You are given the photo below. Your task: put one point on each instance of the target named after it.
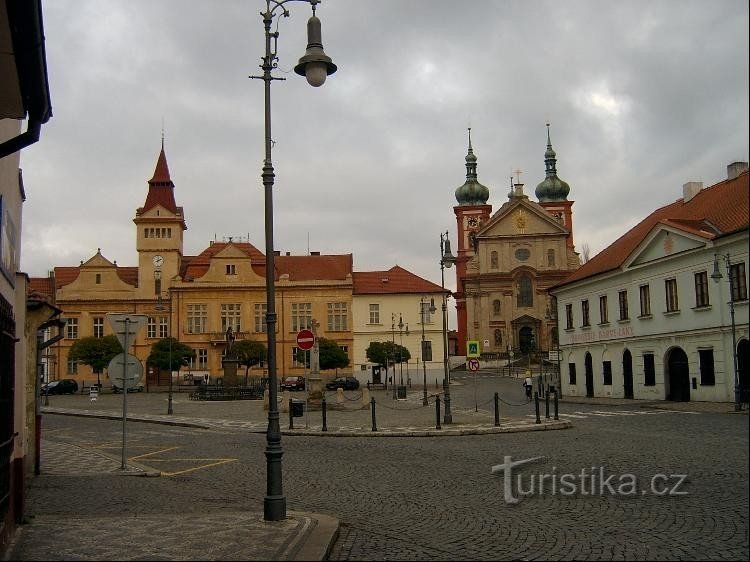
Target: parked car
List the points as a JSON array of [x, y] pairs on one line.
[[293, 383], [137, 388], [62, 386], [347, 383]]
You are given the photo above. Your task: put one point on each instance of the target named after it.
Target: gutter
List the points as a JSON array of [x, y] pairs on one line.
[[27, 32]]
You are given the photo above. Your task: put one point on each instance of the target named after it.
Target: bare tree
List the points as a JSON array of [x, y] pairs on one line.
[[585, 252]]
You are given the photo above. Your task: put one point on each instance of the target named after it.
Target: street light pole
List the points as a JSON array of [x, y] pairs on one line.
[[315, 65], [422, 306], [716, 276], [447, 259]]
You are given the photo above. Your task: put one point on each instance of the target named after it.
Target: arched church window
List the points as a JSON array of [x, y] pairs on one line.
[[493, 260], [496, 307], [525, 295]]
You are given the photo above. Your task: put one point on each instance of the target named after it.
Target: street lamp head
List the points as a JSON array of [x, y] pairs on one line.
[[315, 65], [447, 259], [716, 275]]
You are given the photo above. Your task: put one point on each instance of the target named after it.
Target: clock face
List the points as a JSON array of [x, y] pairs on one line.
[[472, 221], [158, 261]]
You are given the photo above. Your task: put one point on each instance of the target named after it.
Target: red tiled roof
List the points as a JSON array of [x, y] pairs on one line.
[[160, 187], [714, 212], [129, 275], [40, 285], [317, 267], [65, 275], [394, 281], [197, 266]]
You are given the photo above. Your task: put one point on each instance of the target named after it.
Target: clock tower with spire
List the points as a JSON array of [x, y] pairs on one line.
[[159, 226]]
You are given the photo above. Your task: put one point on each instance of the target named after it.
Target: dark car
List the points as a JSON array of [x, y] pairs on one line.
[[137, 388], [293, 383], [347, 383], [62, 386]]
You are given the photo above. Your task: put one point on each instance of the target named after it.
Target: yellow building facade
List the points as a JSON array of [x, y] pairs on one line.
[[195, 299]]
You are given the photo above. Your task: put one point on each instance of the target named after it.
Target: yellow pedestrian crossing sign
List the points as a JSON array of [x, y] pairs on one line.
[[472, 348]]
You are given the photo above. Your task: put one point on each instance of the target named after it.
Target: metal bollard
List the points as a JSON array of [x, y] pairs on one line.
[[546, 404], [536, 404], [323, 406], [556, 406], [372, 409], [437, 411], [291, 415], [497, 409]]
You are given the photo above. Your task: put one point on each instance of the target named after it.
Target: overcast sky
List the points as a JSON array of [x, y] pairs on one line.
[[642, 96]]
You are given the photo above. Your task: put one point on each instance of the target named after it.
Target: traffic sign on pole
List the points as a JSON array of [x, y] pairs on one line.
[[130, 322], [131, 369], [473, 364], [305, 339]]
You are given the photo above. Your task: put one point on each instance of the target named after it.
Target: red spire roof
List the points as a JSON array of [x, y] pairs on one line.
[[160, 187]]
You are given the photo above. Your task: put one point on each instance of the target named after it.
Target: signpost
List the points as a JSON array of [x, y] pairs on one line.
[[473, 364], [125, 326], [472, 348]]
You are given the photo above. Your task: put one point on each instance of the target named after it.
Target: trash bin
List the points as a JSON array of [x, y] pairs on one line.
[[298, 408], [401, 392]]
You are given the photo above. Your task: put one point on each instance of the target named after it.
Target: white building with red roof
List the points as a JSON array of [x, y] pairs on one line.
[[654, 315]]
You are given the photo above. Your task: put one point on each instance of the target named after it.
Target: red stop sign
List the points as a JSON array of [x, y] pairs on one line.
[[305, 339]]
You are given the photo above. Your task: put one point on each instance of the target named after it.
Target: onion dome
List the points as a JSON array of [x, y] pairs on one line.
[[551, 187], [472, 192]]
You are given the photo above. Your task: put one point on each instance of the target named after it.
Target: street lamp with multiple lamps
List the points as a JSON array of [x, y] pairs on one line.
[[447, 259], [424, 308], [160, 307], [315, 66], [717, 276], [401, 347]]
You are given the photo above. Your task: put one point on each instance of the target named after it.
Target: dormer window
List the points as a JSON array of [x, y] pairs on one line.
[[231, 269]]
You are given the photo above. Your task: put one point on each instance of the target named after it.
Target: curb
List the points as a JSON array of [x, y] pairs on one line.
[[315, 544]]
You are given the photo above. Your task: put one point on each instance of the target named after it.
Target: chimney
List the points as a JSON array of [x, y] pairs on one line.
[[314, 253], [277, 252], [690, 190], [288, 253], [735, 169]]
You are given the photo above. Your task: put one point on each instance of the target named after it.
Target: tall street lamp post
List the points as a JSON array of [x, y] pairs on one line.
[[551, 314], [160, 307], [393, 352], [447, 259], [716, 276], [424, 308], [315, 66], [401, 347]]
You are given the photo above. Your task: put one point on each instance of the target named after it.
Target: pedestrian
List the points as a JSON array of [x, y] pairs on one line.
[[528, 385]]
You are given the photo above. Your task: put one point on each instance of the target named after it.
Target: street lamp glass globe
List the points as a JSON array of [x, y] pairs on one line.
[[316, 73]]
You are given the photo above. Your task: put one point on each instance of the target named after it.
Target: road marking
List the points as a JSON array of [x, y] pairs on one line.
[[151, 459]]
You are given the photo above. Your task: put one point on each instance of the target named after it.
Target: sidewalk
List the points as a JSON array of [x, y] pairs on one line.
[[693, 406], [223, 534]]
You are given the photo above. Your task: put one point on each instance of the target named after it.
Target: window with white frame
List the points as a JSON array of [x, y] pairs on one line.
[[603, 313], [72, 367], [586, 321], [98, 327], [163, 327], [230, 317], [374, 314], [197, 318], [71, 328], [301, 315], [338, 316], [259, 317], [622, 298], [151, 327]]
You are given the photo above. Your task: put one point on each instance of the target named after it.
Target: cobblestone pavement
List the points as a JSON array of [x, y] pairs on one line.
[[431, 498]]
